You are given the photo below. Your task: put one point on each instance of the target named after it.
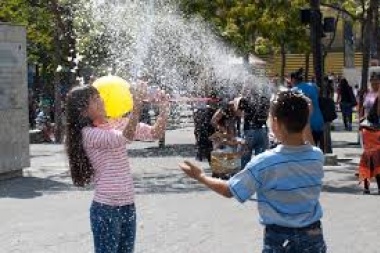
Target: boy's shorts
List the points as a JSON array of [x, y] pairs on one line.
[[308, 239]]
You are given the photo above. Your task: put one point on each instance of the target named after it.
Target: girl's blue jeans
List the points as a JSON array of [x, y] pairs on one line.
[[113, 228]]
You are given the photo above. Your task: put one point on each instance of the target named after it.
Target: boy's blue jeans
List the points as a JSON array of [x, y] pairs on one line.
[[113, 228], [293, 240]]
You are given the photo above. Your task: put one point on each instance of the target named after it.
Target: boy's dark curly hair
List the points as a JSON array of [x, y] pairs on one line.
[[291, 109]]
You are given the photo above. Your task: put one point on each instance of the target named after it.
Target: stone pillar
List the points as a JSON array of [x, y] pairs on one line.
[[14, 127]]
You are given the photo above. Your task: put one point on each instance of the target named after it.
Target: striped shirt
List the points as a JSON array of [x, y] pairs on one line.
[[287, 181], [106, 149]]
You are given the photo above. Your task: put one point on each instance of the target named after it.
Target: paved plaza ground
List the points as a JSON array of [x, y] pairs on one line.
[[43, 213]]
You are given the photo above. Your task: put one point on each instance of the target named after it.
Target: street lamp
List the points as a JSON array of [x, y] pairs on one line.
[[318, 27]]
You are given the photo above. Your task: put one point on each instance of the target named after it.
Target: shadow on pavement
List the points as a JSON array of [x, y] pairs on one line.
[[353, 188], [345, 144], [345, 181], [184, 150], [32, 187], [166, 184]]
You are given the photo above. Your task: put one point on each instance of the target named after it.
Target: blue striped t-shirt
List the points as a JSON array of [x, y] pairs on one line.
[[287, 181]]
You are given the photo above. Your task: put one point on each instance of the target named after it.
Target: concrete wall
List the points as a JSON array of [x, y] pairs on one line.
[[14, 126]]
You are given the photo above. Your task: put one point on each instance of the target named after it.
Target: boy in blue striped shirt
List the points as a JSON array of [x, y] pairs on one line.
[[287, 180]]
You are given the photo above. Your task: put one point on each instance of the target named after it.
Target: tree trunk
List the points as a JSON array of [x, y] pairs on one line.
[[58, 127], [37, 77], [44, 76], [349, 44], [246, 60], [283, 62], [377, 32], [368, 22], [316, 37], [307, 65], [60, 29]]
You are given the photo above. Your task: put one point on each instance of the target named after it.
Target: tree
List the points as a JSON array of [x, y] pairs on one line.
[[39, 32], [92, 39], [50, 42], [363, 12], [254, 26], [368, 24], [280, 23], [234, 20]]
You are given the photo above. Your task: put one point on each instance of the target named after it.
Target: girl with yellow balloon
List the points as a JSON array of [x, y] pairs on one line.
[[96, 148]]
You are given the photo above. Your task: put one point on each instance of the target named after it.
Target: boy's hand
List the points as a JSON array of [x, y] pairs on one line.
[[191, 170]]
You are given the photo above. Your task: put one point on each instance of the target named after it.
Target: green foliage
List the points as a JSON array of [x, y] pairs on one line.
[[91, 37], [39, 25], [356, 9], [281, 25], [253, 25]]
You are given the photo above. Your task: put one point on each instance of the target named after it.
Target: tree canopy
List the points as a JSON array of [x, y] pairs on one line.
[[39, 25], [254, 26]]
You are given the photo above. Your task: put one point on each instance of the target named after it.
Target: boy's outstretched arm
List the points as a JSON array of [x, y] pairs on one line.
[[217, 185]]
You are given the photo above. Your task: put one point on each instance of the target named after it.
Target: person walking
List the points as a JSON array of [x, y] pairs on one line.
[[255, 110], [369, 165], [347, 100], [316, 120]]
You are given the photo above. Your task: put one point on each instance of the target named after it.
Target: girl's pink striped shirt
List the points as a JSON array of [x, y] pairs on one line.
[[105, 146]]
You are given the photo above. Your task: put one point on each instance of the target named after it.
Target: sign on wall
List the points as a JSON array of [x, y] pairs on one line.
[[12, 60]]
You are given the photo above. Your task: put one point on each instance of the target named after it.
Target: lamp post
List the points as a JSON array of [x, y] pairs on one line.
[[318, 26], [316, 41]]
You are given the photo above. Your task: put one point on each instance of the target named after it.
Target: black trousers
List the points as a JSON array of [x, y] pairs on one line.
[[319, 139]]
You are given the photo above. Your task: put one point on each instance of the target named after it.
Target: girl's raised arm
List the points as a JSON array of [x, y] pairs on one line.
[[159, 127], [138, 97]]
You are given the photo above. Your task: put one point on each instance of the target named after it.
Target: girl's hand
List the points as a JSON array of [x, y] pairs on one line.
[[163, 97], [191, 170], [140, 92], [164, 101]]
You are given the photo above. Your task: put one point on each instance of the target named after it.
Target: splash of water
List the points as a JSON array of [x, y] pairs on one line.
[[152, 39]]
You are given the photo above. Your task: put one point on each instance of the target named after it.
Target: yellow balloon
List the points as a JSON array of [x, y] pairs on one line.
[[116, 94]]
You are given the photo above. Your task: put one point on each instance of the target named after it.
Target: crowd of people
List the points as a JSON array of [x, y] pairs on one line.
[[278, 138], [41, 116], [96, 148]]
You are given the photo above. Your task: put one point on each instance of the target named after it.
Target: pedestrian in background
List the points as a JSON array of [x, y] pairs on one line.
[[312, 92], [254, 108], [347, 101]]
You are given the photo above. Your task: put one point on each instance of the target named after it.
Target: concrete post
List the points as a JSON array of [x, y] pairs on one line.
[[14, 126]]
